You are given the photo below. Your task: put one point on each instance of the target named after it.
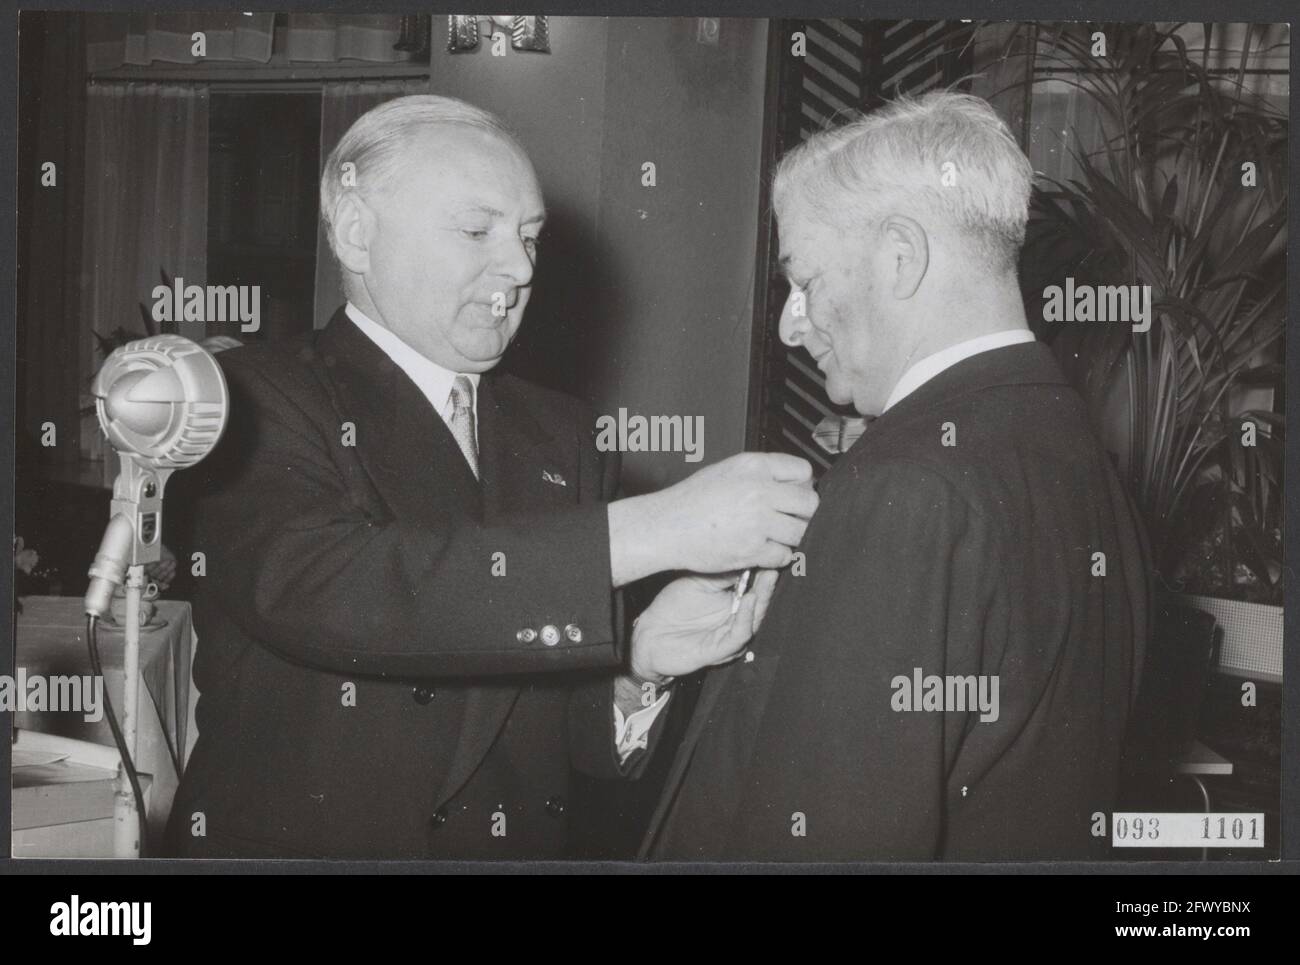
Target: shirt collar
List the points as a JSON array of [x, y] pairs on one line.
[[430, 377], [930, 366]]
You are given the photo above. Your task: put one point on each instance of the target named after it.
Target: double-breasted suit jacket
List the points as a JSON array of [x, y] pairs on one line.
[[395, 659]]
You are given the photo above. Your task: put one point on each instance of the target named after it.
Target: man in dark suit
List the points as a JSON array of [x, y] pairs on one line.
[[408, 627], [948, 671]]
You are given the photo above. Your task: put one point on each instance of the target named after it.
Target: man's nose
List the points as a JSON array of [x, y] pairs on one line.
[[515, 263], [794, 319]]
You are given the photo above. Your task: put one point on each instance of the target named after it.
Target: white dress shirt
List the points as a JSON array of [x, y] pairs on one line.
[[435, 382], [930, 366], [430, 377]]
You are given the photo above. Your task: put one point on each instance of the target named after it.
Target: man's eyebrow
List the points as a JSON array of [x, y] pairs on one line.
[[486, 209], [492, 212]]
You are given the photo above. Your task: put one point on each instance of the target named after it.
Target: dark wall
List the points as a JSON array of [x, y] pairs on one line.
[[644, 295], [555, 104], [51, 127], [680, 257]]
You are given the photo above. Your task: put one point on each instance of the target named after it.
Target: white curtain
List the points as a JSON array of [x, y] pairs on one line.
[[140, 39], [341, 104], [328, 38], [146, 209]]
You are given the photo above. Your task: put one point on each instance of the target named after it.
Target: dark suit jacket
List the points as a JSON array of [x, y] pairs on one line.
[[365, 688], [973, 559]]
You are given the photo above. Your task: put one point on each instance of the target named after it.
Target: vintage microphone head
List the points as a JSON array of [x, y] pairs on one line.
[[162, 403], [162, 400]]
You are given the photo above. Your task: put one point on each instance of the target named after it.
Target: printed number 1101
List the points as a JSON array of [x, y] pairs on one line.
[[1135, 829]]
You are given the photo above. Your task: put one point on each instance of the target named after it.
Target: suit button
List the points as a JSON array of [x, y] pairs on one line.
[[550, 635], [574, 633], [439, 818], [555, 806], [526, 635], [422, 695]]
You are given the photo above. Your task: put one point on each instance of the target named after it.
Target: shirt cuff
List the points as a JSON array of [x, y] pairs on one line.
[[633, 733]]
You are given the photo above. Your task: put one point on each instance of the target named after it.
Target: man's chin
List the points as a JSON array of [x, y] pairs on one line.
[[862, 405], [836, 393], [484, 350]]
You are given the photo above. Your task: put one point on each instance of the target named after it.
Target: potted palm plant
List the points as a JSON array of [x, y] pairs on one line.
[[1183, 191]]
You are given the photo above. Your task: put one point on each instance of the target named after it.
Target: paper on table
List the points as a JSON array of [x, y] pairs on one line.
[[22, 757]]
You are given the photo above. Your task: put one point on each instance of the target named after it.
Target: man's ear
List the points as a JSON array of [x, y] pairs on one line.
[[353, 229], [910, 249]]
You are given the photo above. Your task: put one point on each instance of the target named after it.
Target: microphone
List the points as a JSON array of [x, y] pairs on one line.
[[163, 403]]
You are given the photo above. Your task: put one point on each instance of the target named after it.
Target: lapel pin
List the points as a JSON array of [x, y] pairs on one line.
[[554, 478]]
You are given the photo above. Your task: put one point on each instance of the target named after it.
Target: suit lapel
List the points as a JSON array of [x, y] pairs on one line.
[[406, 449], [514, 450]]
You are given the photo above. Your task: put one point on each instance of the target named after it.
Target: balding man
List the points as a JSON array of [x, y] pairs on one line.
[[952, 675], [410, 556]]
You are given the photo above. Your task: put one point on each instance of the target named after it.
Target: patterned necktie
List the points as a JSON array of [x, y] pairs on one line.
[[462, 420], [837, 433]]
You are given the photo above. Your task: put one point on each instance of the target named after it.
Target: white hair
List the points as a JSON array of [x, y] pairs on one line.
[[947, 153], [376, 143]]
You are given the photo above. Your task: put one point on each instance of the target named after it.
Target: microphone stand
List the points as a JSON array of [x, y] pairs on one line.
[[131, 540], [126, 820]]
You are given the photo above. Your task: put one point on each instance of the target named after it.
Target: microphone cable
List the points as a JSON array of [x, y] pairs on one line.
[[92, 643]]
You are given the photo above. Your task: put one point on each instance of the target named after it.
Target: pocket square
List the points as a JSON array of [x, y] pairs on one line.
[[554, 477]]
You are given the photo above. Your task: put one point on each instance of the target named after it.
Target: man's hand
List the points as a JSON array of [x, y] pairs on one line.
[[690, 625], [163, 571], [748, 510]]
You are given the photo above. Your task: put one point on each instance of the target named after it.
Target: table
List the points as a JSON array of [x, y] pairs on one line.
[[1197, 762], [51, 640]]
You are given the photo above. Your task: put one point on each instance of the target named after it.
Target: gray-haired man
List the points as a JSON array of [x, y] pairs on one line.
[[952, 674]]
